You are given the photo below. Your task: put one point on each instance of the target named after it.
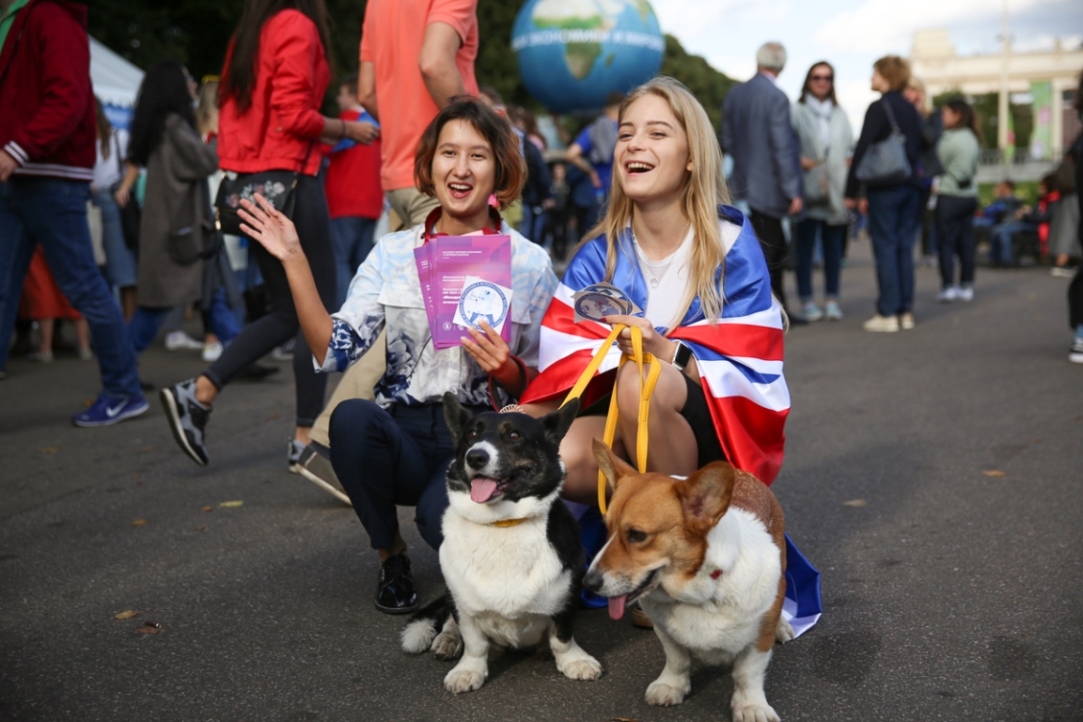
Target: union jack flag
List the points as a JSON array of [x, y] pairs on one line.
[[739, 356]]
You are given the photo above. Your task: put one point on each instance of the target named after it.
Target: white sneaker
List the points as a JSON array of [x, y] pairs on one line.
[[832, 312], [180, 341], [906, 321], [966, 293], [882, 324], [811, 312], [1075, 353], [948, 295], [211, 351]]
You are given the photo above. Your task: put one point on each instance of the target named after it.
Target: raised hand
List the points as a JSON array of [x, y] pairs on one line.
[[274, 231]]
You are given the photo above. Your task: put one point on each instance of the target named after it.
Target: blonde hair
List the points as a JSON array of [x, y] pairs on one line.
[[704, 190]]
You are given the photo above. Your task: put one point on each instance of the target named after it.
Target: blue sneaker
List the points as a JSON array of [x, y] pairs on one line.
[[109, 410]]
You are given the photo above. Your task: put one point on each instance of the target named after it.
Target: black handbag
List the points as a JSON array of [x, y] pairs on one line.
[[277, 186], [885, 162]]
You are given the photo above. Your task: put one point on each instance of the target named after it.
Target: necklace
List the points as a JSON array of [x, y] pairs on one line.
[[655, 271]]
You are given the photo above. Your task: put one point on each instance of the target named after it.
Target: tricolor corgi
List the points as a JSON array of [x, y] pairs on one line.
[[511, 555]]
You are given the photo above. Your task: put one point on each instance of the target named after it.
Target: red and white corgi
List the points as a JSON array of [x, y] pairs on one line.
[[705, 557]]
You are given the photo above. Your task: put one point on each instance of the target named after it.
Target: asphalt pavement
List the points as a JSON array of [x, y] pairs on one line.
[[932, 475]]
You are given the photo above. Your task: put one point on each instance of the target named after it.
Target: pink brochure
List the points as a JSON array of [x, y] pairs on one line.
[[423, 259], [451, 259]]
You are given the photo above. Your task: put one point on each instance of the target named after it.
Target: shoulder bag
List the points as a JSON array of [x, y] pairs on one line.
[[277, 186], [885, 162]]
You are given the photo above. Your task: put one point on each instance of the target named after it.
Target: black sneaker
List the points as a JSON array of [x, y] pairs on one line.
[[187, 419], [395, 589]]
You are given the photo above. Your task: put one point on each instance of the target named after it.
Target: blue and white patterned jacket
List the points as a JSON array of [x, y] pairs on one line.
[[387, 292]]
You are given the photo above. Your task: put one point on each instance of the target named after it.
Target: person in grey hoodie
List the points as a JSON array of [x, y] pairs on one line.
[[957, 199]]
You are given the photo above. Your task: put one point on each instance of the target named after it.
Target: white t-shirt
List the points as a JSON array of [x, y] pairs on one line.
[[667, 279], [108, 171]]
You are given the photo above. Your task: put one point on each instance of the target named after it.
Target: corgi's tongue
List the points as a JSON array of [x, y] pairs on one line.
[[616, 606], [482, 489]]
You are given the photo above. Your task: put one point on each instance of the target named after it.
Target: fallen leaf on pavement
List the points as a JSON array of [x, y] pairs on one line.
[[201, 527], [207, 508], [855, 503], [995, 473], [149, 628], [126, 614], [139, 522], [146, 448], [231, 504], [50, 449]]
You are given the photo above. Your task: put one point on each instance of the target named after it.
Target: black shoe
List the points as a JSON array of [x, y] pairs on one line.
[[797, 319], [395, 589]]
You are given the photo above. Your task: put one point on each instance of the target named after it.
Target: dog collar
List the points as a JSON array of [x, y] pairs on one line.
[[505, 523]]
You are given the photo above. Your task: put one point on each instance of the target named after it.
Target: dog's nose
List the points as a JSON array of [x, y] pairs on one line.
[[477, 458], [592, 580]]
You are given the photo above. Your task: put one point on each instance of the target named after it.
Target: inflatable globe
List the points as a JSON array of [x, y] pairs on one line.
[[573, 53]]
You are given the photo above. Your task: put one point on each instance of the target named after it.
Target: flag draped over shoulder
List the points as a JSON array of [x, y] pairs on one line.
[[739, 356]]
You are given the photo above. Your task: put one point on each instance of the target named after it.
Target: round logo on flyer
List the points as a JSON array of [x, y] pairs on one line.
[[596, 306], [483, 301]]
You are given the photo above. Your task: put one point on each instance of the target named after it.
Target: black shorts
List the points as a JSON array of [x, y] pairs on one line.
[[695, 412]]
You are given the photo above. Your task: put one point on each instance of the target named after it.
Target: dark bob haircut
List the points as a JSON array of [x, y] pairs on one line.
[[495, 129]]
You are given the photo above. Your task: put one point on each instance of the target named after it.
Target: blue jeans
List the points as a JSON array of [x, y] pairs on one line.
[[893, 219], [1000, 246], [353, 238], [805, 240], [52, 213], [120, 262]]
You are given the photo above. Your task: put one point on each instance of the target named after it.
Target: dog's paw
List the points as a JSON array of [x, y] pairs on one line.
[[755, 713], [463, 679], [661, 694], [448, 644], [784, 632], [584, 667], [417, 636]]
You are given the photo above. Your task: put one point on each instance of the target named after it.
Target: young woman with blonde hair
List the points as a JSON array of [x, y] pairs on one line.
[[694, 266]]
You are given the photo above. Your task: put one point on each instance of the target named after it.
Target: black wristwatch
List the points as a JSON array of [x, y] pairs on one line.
[[681, 356]]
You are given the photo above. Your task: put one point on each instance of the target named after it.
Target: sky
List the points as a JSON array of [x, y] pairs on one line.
[[852, 34]]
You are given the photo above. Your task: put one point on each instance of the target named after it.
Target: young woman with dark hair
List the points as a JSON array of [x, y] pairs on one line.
[[959, 150], [273, 84], [395, 451], [176, 210]]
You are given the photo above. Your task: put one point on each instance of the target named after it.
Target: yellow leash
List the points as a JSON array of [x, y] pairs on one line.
[[646, 389]]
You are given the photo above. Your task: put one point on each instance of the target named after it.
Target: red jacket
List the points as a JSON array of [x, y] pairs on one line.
[[47, 121], [284, 121], [352, 183]]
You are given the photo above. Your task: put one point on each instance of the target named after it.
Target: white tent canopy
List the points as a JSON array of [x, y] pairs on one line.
[[116, 81]]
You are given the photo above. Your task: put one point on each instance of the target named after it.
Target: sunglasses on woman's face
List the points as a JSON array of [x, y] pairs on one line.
[[825, 78]]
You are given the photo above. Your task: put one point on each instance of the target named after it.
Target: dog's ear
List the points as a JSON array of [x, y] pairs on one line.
[[556, 424], [705, 496], [457, 417], [612, 466]]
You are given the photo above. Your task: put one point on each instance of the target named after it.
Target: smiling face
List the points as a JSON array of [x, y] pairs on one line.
[[651, 159], [463, 176]]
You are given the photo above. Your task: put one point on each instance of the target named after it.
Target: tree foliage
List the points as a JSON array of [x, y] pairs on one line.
[[707, 84]]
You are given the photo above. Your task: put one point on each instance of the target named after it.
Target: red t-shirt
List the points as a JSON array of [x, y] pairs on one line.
[[353, 178]]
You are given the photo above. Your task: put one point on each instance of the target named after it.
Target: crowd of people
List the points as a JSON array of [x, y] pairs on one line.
[[638, 200]]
